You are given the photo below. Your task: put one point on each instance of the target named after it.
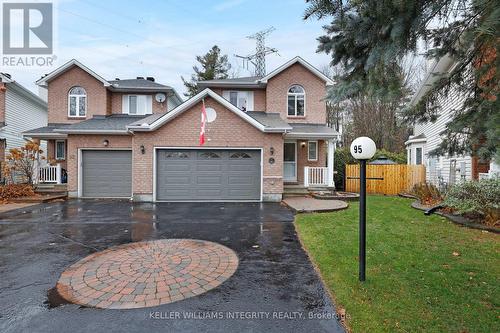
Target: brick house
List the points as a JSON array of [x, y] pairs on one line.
[[262, 133]]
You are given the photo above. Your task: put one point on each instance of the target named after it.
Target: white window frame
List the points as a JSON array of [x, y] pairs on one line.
[[288, 94], [59, 158], [77, 115], [315, 142], [142, 110], [248, 94], [422, 161]]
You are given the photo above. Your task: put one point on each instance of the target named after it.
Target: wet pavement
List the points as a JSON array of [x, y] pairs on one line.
[[275, 288]]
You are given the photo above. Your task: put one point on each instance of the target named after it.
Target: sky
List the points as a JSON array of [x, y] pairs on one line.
[[161, 38]]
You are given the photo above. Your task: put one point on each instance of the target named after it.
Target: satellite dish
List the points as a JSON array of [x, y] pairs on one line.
[[211, 114], [160, 97]]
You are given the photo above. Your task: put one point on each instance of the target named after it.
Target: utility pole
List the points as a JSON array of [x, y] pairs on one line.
[[258, 59]]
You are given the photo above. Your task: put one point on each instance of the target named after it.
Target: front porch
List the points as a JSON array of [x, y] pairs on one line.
[[308, 164]]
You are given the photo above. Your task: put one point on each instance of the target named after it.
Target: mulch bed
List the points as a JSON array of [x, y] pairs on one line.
[[458, 219]]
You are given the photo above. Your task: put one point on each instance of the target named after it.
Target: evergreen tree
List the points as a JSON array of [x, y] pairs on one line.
[[213, 66], [369, 37]]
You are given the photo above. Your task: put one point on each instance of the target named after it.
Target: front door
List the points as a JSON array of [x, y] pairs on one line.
[[290, 162]]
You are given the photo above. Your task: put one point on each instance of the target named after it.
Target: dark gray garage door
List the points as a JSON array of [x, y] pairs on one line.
[[106, 173], [204, 175]]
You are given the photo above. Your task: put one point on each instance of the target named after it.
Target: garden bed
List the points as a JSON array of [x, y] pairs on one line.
[[458, 219]]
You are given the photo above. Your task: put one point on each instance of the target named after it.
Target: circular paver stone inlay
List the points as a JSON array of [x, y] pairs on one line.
[[147, 274]]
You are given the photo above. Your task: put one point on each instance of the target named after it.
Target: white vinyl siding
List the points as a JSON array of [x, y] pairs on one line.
[[21, 114], [137, 104], [240, 98], [439, 167]]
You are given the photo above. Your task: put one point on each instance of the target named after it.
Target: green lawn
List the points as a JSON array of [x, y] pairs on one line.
[[416, 282]]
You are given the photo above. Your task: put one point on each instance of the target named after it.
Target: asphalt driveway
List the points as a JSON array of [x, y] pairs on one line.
[[275, 288]]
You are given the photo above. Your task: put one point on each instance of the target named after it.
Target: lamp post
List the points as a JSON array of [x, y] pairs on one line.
[[362, 149]]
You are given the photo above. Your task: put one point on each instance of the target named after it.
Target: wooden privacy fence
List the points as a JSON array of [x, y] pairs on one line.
[[385, 179]]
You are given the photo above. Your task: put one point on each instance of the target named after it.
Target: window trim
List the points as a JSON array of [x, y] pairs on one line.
[[308, 151], [77, 115], [148, 105], [58, 158], [249, 96], [288, 94]]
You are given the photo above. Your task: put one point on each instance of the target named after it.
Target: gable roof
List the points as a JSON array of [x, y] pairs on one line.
[[294, 61], [437, 70], [20, 89], [73, 62], [154, 122], [257, 81]]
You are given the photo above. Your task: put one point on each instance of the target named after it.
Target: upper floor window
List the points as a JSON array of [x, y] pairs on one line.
[[77, 105], [296, 101], [137, 104], [241, 99]]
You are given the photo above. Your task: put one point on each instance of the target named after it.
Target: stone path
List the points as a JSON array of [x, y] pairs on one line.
[[147, 274], [310, 205]]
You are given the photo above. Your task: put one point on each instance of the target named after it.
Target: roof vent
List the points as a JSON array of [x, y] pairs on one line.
[[140, 78], [150, 78]]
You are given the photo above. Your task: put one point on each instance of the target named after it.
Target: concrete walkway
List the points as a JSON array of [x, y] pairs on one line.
[[311, 205], [14, 205]]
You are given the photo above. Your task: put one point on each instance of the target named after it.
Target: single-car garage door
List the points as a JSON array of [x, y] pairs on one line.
[[204, 175], [106, 173]]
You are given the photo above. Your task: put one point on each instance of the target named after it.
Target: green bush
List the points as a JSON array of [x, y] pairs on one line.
[[477, 197], [399, 158], [342, 157]]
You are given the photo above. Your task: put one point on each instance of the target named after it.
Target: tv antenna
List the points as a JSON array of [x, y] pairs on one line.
[[258, 59]]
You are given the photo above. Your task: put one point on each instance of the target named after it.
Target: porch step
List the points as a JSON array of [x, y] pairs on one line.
[[301, 191], [52, 189]]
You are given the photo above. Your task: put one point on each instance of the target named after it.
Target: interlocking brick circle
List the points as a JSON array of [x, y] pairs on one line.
[[147, 274]]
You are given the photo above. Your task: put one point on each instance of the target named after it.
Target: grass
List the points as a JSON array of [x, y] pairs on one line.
[[424, 273]]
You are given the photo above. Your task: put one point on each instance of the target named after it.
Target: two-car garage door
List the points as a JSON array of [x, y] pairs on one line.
[[208, 175]]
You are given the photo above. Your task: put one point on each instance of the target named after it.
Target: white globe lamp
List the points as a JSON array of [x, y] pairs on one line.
[[363, 148]]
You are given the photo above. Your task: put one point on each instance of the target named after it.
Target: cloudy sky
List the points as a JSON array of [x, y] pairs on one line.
[[161, 38]]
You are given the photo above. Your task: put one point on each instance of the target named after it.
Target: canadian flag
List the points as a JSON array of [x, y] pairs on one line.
[[203, 123]]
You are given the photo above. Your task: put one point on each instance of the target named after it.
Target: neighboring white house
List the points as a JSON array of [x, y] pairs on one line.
[[20, 111], [442, 170]]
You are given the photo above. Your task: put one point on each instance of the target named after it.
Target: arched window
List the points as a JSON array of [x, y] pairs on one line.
[[296, 101], [77, 102]]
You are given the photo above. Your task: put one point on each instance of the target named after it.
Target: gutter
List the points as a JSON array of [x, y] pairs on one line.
[[82, 131]]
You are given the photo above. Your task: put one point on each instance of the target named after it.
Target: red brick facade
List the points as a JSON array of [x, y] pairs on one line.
[[59, 87], [228, 130], [315, 90]]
